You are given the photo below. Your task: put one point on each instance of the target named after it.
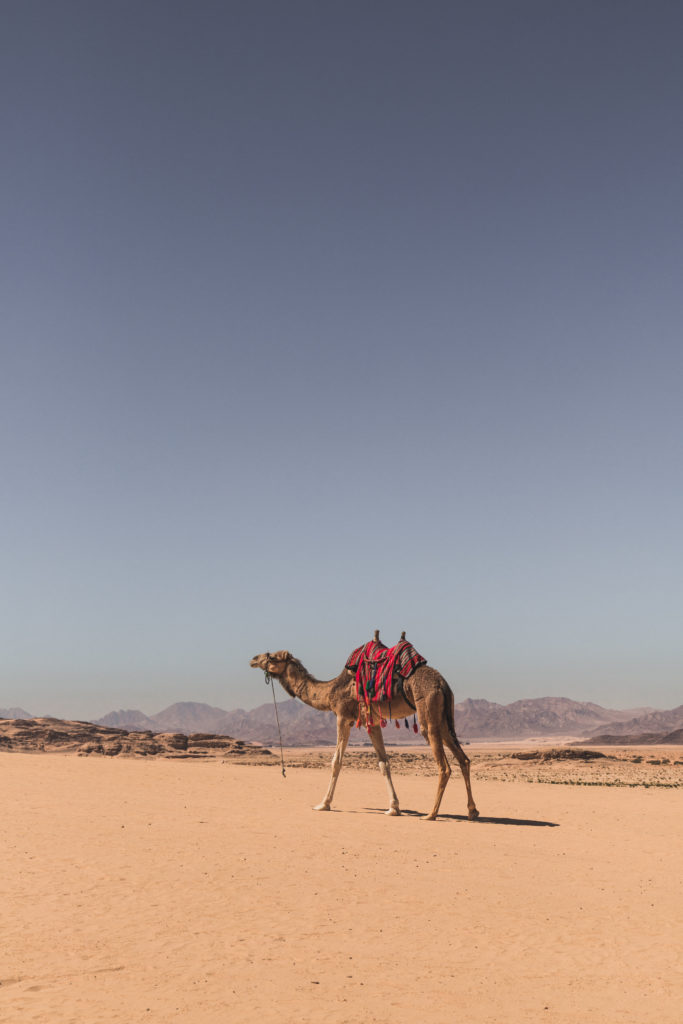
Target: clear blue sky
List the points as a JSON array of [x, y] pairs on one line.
[[322, 317]]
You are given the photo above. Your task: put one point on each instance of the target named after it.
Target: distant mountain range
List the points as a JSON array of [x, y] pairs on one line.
[[474, 720], [650, 721], [542, 716], [187, 717], [301, 726]]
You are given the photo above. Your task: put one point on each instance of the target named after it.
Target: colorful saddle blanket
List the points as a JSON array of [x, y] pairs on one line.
[[380, 671]]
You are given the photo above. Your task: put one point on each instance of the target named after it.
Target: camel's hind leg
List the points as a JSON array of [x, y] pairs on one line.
[[436, 743], [383, 759], [343, 733], [451, 741]]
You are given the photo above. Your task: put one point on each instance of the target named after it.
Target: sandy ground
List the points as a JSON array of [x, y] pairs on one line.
[[161, 891], [620, 766]]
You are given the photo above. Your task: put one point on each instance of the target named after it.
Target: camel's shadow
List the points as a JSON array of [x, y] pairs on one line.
[[482, 820]]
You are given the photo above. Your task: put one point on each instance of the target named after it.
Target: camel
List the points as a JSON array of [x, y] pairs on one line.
[[427, 693]]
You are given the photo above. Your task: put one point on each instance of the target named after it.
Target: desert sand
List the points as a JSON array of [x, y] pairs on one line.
[[165, 890]]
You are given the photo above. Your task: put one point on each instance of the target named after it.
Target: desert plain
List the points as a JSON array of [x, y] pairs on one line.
[[160, 890]]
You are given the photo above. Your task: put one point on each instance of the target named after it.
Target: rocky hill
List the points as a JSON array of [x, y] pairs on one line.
[[651, 722], [53, 734], [190, 716], [541, 716], [129, 719]]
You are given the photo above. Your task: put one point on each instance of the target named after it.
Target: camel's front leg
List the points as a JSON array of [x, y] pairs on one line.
[[382, 757], [343, 733]]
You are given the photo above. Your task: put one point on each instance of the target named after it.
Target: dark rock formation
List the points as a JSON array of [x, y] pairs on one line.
[[85, 738]]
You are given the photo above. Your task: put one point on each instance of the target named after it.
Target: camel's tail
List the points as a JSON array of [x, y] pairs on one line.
[[450, 711]]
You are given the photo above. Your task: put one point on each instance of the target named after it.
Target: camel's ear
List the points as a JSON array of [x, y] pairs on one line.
[[281, 656]]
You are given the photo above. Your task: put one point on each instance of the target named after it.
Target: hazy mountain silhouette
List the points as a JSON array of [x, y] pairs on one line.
[[650, 722], [474, 719], [540, 716], [129, 719], [189, 716]]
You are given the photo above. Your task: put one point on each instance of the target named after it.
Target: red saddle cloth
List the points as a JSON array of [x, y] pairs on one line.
[[380, 670]]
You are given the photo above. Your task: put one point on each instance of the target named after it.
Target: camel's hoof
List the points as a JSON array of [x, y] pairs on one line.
[[393, 812], [473, 814], [321, 807], [429, 817]]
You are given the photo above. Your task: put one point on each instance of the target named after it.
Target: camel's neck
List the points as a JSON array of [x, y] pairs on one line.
[[314, 692]]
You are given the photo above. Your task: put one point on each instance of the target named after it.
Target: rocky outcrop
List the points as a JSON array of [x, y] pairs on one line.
[[641, 739], [654, 722], [557, 754], [35, 735]]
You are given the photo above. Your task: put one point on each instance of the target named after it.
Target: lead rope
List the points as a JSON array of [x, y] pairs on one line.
[[269, 682]]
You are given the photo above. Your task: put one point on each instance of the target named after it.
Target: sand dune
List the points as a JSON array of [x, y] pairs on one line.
[[206, 892]]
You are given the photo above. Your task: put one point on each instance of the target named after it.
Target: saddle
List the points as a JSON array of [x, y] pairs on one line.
[[381, 671]]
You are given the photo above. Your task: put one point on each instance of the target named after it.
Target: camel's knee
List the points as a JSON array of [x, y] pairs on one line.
[[453, 744], [462, 756]]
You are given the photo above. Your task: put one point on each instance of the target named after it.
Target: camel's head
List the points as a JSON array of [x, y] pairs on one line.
[[273, 664]]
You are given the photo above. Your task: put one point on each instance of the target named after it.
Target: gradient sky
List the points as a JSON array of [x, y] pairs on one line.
[[322, 317]]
